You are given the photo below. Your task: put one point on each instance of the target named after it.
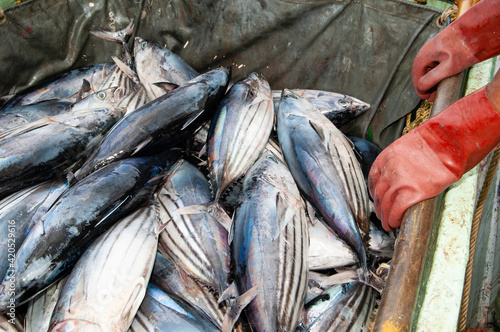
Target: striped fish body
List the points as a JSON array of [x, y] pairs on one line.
[[337, 107], [67, 86], [239, 130], [157, 64], [161, 123], [107, 285], [325, 169], [55, 143], [163, 312], [18, 214], [40, 308], [134, 100], [175, 281], [80, 215], [197, 242], [270, 246], [345, 307], [20, 115]]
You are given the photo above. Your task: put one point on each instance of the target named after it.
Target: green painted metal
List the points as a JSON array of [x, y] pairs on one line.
[[7, 3]]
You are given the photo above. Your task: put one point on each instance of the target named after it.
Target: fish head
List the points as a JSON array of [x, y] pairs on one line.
[[291, 104], [259, 83], [155, 63], [106, 98]]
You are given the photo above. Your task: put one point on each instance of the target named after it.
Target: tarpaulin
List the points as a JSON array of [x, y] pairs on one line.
[[363, 48]]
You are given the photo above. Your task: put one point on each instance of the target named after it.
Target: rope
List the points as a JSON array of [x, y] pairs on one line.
[[3, 18], [423, 113], [473, 237], [447, 16]]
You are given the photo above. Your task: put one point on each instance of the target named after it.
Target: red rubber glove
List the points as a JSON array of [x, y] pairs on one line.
[[472, 38], [428, 159]]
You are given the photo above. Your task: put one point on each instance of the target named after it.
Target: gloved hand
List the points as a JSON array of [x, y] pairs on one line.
[[472, 38], [431, 157]]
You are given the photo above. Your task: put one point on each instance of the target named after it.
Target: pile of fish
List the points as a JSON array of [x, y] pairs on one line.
[[140, 195]]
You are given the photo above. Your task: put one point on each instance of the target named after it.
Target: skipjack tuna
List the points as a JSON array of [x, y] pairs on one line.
[[325, 168], [124, 222], [270, 246], [239, 131]]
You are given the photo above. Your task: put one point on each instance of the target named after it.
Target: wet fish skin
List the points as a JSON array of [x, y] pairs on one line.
[[239, 131], [161, 123], [345, 307], [19, 115], [366, 152], [325, 169], [270, 245], [65, 86], [326, 250], [40, 308], [337, 107], [157, 64], [175, 281], [22, 114], [55, 143], [163, 312], [108, 283], [59, 238], [20, 211], [197, 242]]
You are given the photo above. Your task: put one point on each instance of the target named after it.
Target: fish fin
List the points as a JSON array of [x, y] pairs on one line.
[[281, 210], [6, 98], [71, 178], [192, 209], [126, 69], [191, 119], [119, 36], [141, 145], [320, 131], [211, 208], [183, 274], [222, 217], [228, 293], [86, 87], [374, 281], [311, 212], [162, 226], [340, 278], [166, 86], [203, 150], [236, 306], [26, 128]]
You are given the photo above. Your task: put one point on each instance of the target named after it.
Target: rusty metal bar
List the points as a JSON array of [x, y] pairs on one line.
[[398, 305]]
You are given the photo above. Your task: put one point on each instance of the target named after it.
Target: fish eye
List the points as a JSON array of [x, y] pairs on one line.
[[343, 103], [144, 44], [101, 95]]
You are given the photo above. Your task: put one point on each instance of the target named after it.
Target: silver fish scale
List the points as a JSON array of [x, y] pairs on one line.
[[241, 130], [325, 169], [174, 280], [270, 246], [198, 242], [346, 307], [108, 284]]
